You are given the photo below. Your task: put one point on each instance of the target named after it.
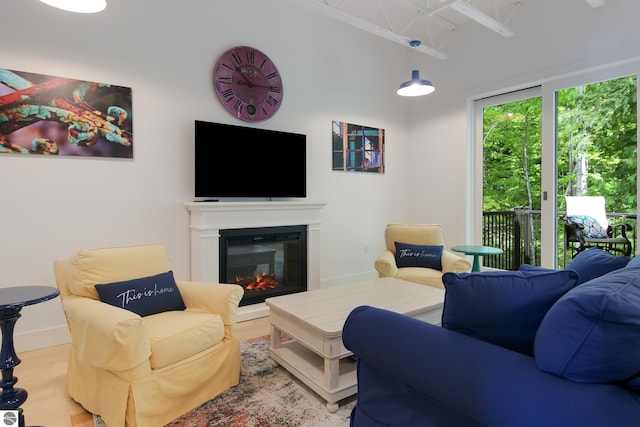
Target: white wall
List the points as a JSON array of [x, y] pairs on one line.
[[55, 206], [551, 38]]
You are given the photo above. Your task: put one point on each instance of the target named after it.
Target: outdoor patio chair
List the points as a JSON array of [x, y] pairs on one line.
[[586, 226]]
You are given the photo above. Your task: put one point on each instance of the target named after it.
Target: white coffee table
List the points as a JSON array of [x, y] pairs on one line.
[[314, 320]]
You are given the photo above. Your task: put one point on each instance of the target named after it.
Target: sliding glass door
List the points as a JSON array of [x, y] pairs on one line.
[[510, 130], [575, 136], [593, 129]]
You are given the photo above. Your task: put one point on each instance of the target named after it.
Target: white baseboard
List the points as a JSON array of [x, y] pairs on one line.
[[351, 278], [34, 340]]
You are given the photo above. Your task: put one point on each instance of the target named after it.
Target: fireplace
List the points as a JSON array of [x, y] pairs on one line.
[[208, 219], [265, 261]]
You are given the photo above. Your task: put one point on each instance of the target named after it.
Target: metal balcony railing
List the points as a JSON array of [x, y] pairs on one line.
[[517, 233]]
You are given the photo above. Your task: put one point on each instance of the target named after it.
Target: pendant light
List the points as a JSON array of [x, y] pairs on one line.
[[80, 6], [415, 86]]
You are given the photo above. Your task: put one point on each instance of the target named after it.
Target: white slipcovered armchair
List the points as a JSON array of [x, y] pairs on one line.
[[418, 234]]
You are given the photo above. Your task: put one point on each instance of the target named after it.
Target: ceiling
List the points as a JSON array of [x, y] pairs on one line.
[[432, 22]]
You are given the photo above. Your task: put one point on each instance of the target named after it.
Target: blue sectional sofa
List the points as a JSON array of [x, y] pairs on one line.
[[530, 348]]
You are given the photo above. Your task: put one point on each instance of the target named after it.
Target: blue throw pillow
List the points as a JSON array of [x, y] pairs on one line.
[[144, 296], [408, 255], [589, 264], [591, 226], [634, 263], [530, 268], [632, 384], [503, 307], [591, 333], [595, 262]]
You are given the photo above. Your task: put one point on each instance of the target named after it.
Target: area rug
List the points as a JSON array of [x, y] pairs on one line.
[[267, 396]]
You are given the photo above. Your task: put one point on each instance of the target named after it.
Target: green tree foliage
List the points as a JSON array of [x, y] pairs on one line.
[[596, 128], [512, 150], [596, 152]]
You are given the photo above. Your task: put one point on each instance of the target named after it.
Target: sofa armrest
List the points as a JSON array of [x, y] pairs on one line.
[[106, 336], [385, 265], [217, 298], [425, 366], [452, 263]]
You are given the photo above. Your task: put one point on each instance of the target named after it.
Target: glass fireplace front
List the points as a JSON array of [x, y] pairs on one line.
[[266, 261]]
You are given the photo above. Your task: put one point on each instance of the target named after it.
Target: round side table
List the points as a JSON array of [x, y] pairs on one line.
[[477, 251], [12, 300]]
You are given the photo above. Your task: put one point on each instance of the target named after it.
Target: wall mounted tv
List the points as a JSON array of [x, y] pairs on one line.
[[239, 161]]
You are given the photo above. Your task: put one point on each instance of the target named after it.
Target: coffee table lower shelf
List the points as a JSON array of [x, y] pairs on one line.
[[306, 329], [309, 367]]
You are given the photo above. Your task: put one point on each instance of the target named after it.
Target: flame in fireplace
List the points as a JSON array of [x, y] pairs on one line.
[[259, 282]]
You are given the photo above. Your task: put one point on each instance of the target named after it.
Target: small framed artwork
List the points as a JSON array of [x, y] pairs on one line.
[[357, 148], [42, 114]]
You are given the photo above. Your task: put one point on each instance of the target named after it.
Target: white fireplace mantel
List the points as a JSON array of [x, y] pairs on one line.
[[208, 218]]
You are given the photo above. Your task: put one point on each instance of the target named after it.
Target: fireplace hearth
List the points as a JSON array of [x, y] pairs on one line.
[[265, 261]]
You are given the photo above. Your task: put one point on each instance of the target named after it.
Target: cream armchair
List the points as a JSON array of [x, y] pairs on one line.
[[137, 370], [418, 234]]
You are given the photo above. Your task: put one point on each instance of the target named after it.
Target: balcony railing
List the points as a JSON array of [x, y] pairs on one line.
[[517, 233]]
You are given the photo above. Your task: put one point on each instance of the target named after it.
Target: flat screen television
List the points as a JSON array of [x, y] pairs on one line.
[[240, 161]]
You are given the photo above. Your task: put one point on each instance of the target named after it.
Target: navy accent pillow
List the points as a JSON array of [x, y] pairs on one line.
[[144, 296], [529, 268], [591, 226], [591, 333], [503, 307], [589, 264], [595, 262], [408, 255]]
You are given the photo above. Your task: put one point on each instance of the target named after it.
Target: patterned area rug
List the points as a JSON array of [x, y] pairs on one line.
[[267, 396]]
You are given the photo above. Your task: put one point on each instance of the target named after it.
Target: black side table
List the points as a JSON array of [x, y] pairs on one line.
[[11, 302]]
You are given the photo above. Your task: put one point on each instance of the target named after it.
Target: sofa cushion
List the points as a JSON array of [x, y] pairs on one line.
[[426, 256], [589, 264], [595, 262], [145, 295], [532, 268], [116, 264], [590, 226], [175, 336], [632, 384], [502, 307], [591, 333]]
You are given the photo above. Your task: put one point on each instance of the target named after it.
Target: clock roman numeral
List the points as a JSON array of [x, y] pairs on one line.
[[271, 101], [228, 66], [227, 94], [275, 89], [264, 61], [250, 56], [236, 57], [226, 80], [238, 106], [272, 75]]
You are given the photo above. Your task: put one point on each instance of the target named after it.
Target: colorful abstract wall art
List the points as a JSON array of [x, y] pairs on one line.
[[357, 148], [42, 114]]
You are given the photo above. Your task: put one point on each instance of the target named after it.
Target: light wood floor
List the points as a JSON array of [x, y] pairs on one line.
[[42, 373]]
